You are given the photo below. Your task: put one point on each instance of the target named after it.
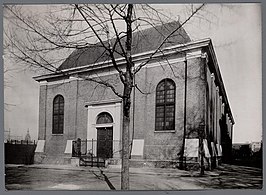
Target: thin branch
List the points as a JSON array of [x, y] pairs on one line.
[[103, 83], [40, 34], [117, 36], [27, 58], [163, 42], [103, 44], [145, 93]]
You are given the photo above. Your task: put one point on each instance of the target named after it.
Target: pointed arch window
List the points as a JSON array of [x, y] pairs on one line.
[[58, 115], [165, 105]]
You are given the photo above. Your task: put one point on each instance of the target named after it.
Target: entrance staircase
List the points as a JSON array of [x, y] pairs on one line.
[[91, 161], [94, 153]]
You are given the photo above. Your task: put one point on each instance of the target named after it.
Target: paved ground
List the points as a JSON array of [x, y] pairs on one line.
[[54, 177]]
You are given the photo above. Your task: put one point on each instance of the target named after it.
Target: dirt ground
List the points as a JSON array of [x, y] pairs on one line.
[[60, 177]]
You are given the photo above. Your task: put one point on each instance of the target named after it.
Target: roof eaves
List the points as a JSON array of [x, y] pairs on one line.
[[219, 77]]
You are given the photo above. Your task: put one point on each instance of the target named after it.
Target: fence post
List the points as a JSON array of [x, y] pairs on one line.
[[86, 149], [79, 147]]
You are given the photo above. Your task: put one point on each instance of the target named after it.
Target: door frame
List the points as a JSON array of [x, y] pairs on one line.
[[94, 109]]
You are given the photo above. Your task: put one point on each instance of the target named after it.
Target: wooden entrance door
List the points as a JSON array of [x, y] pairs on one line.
[[105, 142]]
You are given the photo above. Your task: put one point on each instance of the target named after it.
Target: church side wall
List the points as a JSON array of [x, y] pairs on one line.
[[218, 123], [166, 145]]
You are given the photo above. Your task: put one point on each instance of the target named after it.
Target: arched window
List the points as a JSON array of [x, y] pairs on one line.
[[104, 118], [58, 115], [165, 105]]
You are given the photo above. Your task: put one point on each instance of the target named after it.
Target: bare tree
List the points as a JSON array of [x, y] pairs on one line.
[[109, 28]]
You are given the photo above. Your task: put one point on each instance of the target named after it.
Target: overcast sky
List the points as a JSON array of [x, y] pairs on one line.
[[236, 35]]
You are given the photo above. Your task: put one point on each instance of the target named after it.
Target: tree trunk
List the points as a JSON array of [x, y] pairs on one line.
[[125, 140], [125, 155], [128, 84]]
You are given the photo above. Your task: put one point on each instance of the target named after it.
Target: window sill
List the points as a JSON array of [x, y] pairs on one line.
[[57, 134], [165, 131]]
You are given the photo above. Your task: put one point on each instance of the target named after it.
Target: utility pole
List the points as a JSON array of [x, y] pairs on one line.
[[185, 120]]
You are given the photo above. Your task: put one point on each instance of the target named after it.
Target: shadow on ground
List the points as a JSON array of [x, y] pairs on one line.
[[86, 178]]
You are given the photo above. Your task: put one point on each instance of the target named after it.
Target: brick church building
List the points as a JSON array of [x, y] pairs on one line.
[[182, 100]]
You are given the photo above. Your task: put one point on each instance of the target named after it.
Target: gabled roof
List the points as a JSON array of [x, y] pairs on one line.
[[192, 45], [143, 41]]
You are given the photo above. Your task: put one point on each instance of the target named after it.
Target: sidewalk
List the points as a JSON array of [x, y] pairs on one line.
[[67, 177], [117, 169]]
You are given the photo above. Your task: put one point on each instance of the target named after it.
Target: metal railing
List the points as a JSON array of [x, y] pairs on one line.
[[22, 142], [94, 148]]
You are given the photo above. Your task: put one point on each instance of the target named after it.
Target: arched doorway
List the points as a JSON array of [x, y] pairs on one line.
[[104, 126]]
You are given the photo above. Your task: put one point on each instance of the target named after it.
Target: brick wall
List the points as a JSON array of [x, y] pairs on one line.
[[157, 145]]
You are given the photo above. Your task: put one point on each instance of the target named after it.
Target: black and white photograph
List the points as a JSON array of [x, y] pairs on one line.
[[132, 96]]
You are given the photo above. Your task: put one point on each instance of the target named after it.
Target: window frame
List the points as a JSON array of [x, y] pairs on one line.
[[60, 115], [105, 115], [159, 128]]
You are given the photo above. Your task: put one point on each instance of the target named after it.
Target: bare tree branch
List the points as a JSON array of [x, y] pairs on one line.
[[105, 83], [83, 28], [151, 56]]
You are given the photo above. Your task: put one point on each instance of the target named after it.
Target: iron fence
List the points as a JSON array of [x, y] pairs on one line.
[[23, 142], [96, 148]]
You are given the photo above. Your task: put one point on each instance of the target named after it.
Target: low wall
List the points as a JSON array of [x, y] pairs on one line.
[[19, 153]]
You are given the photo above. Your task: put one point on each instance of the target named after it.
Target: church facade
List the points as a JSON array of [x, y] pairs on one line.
[[180, 102]]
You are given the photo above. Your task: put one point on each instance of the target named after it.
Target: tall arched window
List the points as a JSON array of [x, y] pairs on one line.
[[58, 115], [165, 105]]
